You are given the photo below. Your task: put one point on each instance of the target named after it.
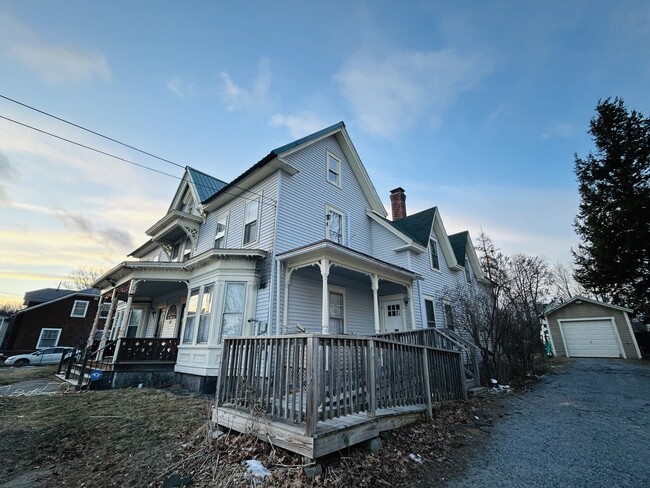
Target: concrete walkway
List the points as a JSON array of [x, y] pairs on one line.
[[587, 427]]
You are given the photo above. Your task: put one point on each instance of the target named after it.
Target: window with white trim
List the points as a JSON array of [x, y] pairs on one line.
[[333, 170], [206, 313], [181, 250], [334, 225], [468, 270], [336, 310], [103, 312], [220, 234], [79, 308], [251, 221], [48, 338], [232, 320], [431, 312], [433, 254], [190, 319]]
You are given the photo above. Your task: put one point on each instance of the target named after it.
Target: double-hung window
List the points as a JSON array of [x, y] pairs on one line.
[[333, 170], [48, 338], [220, 235], [433, 254], [431, 313], [449, 315], [251, 221], [206, 313], [233, 309], [79, 308], [336, 312], [190, 320], [334, 225]]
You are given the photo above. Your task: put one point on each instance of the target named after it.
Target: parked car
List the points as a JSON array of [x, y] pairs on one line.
[[49, 355]]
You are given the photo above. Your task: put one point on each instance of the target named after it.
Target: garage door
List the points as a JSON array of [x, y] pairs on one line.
[[591, 339]]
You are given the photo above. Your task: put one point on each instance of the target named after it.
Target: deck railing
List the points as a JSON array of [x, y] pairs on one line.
[[308, 378], [150, 349]]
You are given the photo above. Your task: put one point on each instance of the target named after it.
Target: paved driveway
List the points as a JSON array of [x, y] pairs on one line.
[[587, 427]]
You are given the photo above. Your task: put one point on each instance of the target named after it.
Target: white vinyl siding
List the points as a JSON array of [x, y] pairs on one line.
[[79, 308], [48, 338]]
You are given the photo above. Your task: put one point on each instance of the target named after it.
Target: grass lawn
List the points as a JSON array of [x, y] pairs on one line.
[[9, 374]]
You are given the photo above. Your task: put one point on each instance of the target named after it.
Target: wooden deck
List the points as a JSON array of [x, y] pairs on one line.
[[330, 435], [314, 394]]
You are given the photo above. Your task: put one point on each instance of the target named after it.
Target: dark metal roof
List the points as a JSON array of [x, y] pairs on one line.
[[205, 185], [417, 226]]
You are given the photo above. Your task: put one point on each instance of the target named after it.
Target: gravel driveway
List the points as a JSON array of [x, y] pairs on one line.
[[586, 427]]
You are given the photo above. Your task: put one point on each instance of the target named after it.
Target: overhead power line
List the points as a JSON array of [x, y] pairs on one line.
[[263, 200]]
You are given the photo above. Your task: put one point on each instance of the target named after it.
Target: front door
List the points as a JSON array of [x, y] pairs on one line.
[[392, 312]]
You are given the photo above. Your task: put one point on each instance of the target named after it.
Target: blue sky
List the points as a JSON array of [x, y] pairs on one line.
[[477, 107]]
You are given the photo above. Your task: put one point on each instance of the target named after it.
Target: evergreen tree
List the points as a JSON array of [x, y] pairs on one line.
[[613, 260]]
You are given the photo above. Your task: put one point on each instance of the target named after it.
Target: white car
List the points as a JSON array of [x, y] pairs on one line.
[[49, 355]]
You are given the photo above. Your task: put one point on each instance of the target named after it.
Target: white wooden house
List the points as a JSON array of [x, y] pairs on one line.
[[298, 243]]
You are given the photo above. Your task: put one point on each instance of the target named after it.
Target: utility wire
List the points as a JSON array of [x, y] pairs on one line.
[[70, 141], [90, 131]]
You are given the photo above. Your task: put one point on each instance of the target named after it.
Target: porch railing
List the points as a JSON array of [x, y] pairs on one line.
[[146, 349], [308, 378]]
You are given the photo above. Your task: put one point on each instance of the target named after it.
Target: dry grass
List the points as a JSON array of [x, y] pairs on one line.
[[140, 437], [10, 375]]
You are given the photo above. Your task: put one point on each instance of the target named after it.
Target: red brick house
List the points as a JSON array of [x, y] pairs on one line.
[[52, 317]]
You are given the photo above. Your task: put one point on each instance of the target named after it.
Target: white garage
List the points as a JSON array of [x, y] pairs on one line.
[[585, 328], [591, 338]]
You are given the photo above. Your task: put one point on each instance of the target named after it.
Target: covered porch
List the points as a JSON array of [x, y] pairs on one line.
[[331, 289]]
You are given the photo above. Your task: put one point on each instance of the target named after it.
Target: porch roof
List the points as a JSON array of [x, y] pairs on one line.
[[165, 270], [344, 256]]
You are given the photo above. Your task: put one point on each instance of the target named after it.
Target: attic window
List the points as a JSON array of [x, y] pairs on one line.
[[333, 170], [468, 272], [433, 254]]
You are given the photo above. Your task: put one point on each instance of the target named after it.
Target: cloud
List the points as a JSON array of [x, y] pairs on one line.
[[299, 125], [392, 92], [238, 97], [180, 87], [7, 173], [559, 130], [55, 62]]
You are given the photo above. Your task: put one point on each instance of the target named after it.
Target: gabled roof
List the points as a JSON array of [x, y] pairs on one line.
[[555, 308], [417, 226], [205, 185], [459, 245], [274, 160], [87, 293], [46, 294]]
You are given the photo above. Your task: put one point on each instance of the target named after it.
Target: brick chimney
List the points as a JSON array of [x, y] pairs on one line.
[[398, 203]]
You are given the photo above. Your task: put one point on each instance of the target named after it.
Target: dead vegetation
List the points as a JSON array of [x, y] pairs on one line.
[[10, 375]]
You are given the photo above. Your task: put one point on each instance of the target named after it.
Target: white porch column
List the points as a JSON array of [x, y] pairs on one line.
[[127, 310], [409, 291], [93, 330], [325, 316], [374, 280], [107, 324], [285, 308]]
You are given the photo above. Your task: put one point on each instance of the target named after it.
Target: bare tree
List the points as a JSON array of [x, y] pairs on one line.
[[82, 278], [9, 307], [503, 317], [564, 285]]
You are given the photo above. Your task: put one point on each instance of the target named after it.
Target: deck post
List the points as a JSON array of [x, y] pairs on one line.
[[372, 380], [427, 381], [461, 371], [311, 417], [223, 369]]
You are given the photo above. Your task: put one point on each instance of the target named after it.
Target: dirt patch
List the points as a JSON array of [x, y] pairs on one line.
[[147, 437]]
